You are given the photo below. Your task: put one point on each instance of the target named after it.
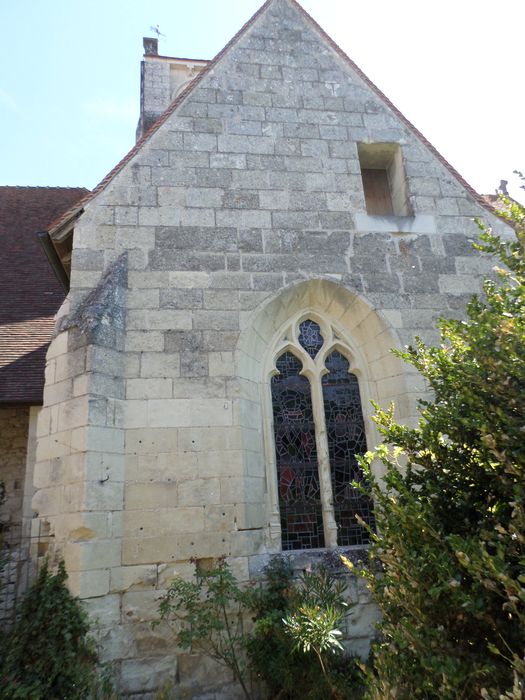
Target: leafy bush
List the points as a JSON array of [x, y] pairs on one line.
[[295, 646], [293, 656], [451, 520], [48, 653], [208, 613]]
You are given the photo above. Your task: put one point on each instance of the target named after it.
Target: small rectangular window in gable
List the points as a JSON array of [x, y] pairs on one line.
[[383, 176]]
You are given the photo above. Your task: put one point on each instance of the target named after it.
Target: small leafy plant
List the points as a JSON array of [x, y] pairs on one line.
[[208, 614], [293, 644]]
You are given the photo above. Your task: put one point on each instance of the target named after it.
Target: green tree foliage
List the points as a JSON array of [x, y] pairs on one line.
[[451, 511], [48, 653]]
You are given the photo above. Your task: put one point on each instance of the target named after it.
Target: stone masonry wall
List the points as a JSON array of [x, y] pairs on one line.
[[244, 210], [14, 423]]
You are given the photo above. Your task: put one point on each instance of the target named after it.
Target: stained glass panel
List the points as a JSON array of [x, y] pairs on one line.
[[310, 337], [296, 457], [346, 439]]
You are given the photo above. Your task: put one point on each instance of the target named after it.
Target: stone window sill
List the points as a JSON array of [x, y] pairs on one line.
[[421, 223]]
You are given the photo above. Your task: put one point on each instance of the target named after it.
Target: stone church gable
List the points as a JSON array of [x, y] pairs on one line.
[[280, 189]]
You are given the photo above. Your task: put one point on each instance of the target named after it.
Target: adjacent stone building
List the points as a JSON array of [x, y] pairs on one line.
[[236, 285], [31, 295]]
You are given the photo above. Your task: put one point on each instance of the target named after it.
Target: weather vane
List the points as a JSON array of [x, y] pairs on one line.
[[157, 31]]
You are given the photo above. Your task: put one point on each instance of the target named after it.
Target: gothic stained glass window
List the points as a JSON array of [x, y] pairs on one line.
[[346, 439], [296, 457], [310, 337], [299, 430]]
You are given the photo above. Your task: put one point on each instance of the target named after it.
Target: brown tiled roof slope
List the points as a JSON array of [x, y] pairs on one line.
[[30, 294]]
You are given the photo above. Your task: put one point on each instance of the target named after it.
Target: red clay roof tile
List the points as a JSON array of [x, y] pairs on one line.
[[30, 294]]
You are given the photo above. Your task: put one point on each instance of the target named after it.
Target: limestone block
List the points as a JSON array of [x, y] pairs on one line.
[[181, 412], [58, 346], [149, 279], [46, 473], [81, 385], [125, 578], [149, 550], [43, 426], [94, 554], [89, 584], [147, 674], [203, 545], [48, 501], [220, 463], [459, 284], [243, 489], [105, 439], [143, 299], [199, 491], [144, 341], [140, 496], [219, 518], [220, 364], [164, 319], [72, 413], [202, 439], [361, 620], [141, 606], [70, 365], [199, 387], [116, 642], [116, 523], [105, 610], [247, 543], [139, 523], [133, 414], [57, 392], [102, 495], [200, 671], [82, 527], [159, 364], [142, 388], [251, 515], [151, 440]]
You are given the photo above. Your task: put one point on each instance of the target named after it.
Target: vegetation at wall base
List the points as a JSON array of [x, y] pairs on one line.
[[282, 632], [448, 563], [48, 653]]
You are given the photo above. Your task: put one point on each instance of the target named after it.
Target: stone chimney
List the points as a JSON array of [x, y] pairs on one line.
[[161, 79], [151, 46], [154, 86]]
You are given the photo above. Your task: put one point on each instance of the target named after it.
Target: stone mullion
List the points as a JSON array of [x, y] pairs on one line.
[[323, 461]]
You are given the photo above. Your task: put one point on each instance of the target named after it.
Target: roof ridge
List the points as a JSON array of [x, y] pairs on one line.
[[200, 76], [44, 187]]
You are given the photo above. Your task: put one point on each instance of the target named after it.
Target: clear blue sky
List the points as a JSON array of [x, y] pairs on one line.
[[69, 77]]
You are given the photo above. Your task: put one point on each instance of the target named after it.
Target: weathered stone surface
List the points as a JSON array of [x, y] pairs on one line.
[[243, 212]]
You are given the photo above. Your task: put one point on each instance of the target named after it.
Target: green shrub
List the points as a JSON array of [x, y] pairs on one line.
[[451, 520], [208, 612], [48, 652], [294, 636], [295, 645]]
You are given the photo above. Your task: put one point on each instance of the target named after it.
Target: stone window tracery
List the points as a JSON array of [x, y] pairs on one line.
[[318, 431]]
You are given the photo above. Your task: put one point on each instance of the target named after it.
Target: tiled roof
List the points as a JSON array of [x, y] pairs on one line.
[[73, 211], [30, 294]]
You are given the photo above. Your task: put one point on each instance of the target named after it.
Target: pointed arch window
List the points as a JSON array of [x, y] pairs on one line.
[[318, 433]]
